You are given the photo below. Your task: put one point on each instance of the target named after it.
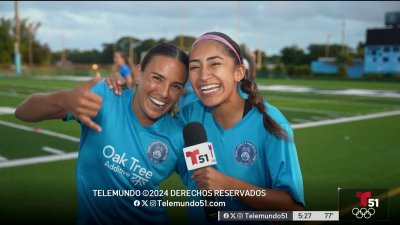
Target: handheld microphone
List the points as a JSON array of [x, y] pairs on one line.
[[199, 153]]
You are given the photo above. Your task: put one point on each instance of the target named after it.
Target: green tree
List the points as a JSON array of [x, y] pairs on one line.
[[7, 41], [84, 57], [107, 54], [293, 55], [279, 70], [316, 51], [344, 60], [145, 46], [273, 59], [298, 70], [360, 50], [41, 53], [187, 42], [126, 44]]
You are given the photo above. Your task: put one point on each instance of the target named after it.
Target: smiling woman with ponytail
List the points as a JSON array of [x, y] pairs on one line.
[[253, 141]]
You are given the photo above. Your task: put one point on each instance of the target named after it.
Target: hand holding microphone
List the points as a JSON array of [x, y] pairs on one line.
[[208, 178], [199, 156]]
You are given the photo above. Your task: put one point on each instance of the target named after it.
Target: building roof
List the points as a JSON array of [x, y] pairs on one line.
[[389, 36]]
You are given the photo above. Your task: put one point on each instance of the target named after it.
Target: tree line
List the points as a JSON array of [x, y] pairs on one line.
[[32, 51]]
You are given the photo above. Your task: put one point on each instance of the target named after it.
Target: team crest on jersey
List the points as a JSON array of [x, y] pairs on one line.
[[245, 153], [157, 152]]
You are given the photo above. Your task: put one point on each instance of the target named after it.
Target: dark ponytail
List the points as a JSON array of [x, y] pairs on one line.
[[255, 98], [250, 88]]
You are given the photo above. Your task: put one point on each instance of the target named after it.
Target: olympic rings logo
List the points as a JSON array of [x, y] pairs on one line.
[[363, 212]]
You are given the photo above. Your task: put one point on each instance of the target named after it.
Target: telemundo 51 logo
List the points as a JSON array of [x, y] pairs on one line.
[[199, 156], [363, 204]]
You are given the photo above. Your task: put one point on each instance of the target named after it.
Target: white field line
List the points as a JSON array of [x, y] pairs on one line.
[[41, 131], [3, 158], [345, 119], [348, 91], [74, 155], [299, 120], [6, 110], [331, 101], [52, 150], [291, 109], [37, 160], [41, 159], [69, 78]]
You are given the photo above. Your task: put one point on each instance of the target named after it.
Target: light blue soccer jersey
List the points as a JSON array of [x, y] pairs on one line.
[[247, 152], [124, 70], [124, 156]]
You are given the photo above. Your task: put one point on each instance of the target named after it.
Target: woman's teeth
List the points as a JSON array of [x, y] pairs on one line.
[[157, 102], [209, 88]]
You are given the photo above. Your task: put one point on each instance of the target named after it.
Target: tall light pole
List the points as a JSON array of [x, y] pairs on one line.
[[238, 22], [17, 56], [32, 28], [63, 51], [259, 56], [114, 46], [327, 45], [343, 36], [131, 51], [181, 40]]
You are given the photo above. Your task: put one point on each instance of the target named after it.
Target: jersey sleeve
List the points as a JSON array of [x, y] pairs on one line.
[[284, 166]]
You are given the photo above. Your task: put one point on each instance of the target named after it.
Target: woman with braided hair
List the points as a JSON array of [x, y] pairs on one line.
[[253, 141]]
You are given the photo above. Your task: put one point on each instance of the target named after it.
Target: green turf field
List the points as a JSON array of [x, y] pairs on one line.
[[357, 154], [332, 84]]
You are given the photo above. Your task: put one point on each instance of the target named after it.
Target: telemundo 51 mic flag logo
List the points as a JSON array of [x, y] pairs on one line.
[[199, 156], [363, 204]]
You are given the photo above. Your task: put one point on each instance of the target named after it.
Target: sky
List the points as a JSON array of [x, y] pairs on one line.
[[269, 26]]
